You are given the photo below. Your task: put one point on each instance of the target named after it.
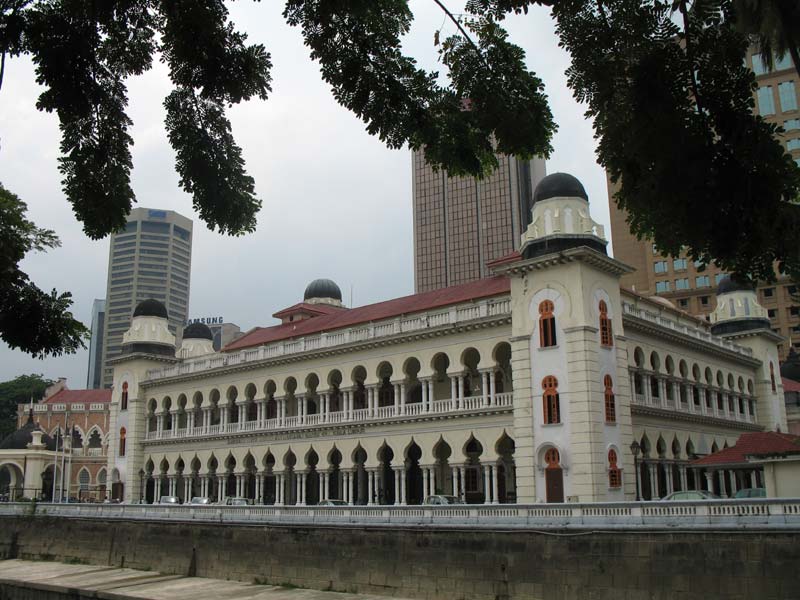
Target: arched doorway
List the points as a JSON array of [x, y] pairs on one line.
[[414, 487], [554, 476]]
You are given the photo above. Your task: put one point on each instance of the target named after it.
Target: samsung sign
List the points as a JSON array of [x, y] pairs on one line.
[[207, 321]]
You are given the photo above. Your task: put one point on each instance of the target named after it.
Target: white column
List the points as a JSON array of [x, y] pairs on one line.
[[710, 481], [347, 482], [396, 399], [454, 390], [403, 483], [487, 485], [492, 388], [684, 483], [653, 481], [370, 487], [753, 478], [463, 483], [370, 401], [424, 383], [402, 397], [460, 390], [670, 483], [456, 487], [485, 387], [159, 424], [396, 486], [303, 482], [732, 479], [639, 482], [495, 487]]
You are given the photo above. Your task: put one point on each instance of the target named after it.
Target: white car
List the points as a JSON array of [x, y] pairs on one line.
[[440, 500]]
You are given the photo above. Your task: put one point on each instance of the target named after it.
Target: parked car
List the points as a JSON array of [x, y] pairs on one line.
[[439, 500], [332, 502], [751, 493], [691, 495], [200, 500], [169, 500], [231, 501]]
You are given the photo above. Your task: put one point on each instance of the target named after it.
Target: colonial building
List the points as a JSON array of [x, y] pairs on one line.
[[65, 432], [527, 386]]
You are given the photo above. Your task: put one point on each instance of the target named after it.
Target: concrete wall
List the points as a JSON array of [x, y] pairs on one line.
[[432, 564]]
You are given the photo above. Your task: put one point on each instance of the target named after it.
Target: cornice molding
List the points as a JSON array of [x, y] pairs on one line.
[[652, 411]]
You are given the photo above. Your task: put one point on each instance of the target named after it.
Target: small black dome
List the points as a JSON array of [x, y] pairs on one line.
[[23, 436], [728, 285], [790, 369], [559, 184], [323, 288], [197, 331], [151, 308]]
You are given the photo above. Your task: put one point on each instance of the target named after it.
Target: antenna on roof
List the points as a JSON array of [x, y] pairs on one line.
[[351, 295]]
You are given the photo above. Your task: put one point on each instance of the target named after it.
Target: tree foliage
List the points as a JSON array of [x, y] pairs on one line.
[[18, 391], [664, 83], [31, 320]]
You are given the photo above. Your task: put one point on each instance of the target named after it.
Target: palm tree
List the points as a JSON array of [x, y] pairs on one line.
[[775, 25]]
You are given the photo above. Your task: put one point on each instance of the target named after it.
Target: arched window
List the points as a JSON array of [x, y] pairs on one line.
[[83, 480], [547, 324], [614, 472], [552, 410], [610, 401], [606, 334], [772, 375], [552, 458], [122, 433], [124, 402]]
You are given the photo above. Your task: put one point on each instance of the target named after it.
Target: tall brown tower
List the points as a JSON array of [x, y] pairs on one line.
[[679, 279], [461, 223]]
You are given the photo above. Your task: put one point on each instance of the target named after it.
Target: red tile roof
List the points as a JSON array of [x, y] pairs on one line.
[[790, 385], [748, 444], [508, 258], [85, 396], [485, 288], [319, 309]]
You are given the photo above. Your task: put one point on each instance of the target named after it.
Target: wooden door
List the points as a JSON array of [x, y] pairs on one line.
[[554, 479]]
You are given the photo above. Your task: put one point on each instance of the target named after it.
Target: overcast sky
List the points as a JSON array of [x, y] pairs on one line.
[[336, 202]]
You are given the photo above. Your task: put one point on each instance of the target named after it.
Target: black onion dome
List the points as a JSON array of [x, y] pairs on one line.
[[23, 436], [728, 285], [197, 331], [790, 369], [151, 308], [322, 288], [558, 185]]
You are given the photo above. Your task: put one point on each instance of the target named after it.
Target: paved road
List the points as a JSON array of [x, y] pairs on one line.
[[113, 583]]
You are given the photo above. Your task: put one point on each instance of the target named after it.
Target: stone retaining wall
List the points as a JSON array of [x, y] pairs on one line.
[[429, 563]]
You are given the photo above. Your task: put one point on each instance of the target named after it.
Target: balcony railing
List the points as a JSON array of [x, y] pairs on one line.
[[383, 413], [486, 308], [694, 332]]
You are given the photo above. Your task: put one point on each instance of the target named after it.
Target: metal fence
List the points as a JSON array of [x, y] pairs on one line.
[[783, 514]]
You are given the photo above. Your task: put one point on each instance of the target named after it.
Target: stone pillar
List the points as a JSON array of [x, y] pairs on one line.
[[710, 481], [431, 397], [485, 388], [487, 485], [460, 402], [684, 482], [456, 487], [463, 483], [371, 487], [732, 479], [424, 384], [396, 399], [403, 482], [495, 486], [492, 389], [670, 483], [402, 397], [453, 390], [159, 423], [653, 481]]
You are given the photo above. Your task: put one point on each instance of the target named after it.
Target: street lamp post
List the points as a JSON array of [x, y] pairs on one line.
[[635, 448]]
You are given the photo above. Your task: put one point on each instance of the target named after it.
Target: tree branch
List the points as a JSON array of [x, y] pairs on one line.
[[465, 34]]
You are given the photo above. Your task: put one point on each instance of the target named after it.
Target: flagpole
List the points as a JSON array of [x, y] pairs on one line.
[[69, 468], [55, 466], [63, 463]]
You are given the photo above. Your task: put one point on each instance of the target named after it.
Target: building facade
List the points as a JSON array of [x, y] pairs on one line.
[[691, 286], [151, 258], [461, 224], [66, 433], [529, 385], [94, 377]]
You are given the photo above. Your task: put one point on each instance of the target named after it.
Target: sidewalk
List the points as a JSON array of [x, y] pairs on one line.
[[111, 583]]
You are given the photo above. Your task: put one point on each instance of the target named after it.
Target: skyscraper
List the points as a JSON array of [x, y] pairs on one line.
[[461, 223], [691, 286], [95, 374], [151, 258]]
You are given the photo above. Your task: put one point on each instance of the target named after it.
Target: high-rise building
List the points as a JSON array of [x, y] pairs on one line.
[[151, 258], [691, 286], [462, 223], [94, 376]]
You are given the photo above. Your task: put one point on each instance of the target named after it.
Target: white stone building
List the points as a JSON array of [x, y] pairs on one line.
[[528, 386]]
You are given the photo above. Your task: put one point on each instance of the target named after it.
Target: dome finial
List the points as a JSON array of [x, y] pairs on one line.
[[323, 290]]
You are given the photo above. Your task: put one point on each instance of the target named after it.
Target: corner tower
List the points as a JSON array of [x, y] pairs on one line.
[[146, 345], [740, 318], [572, 421]]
